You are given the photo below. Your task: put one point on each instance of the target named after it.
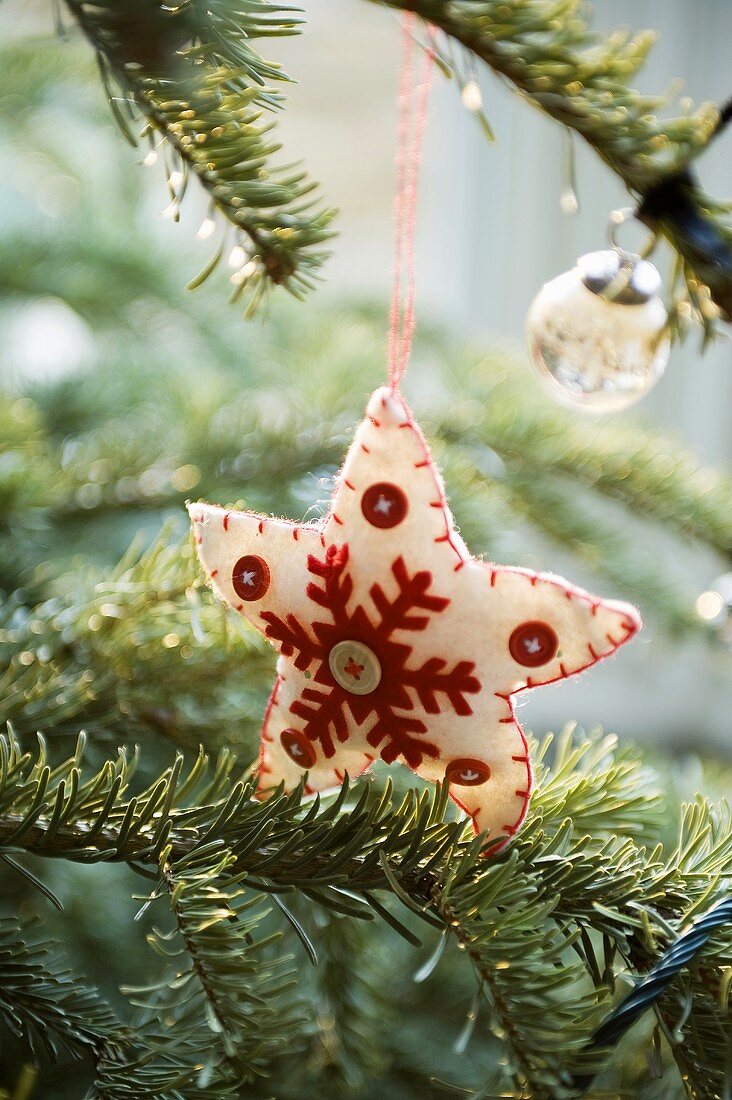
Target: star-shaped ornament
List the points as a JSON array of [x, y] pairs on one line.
[[394, 642]]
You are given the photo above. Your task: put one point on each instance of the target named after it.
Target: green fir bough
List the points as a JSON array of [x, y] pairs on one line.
[[193, 73], [519, 957]]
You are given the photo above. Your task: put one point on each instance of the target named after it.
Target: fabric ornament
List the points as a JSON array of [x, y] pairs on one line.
[[394, 642]]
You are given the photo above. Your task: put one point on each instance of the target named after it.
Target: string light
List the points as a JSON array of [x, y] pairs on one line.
[[243, 273], [150, 158], [568, 201], [172, 211], [471, 95], [238, 256], [709, 606], [206, 229], [175, 179]]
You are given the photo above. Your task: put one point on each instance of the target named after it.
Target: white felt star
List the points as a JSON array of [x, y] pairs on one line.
[[393, 641]]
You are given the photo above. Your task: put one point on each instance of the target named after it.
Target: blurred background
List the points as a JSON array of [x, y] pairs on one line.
[[122, 394]]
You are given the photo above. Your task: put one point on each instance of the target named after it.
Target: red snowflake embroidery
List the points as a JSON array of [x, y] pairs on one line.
[[323, 709]]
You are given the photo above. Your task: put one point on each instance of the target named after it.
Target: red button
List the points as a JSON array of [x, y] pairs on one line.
[[533, 644], [384, 504], [468, 773], [298, 748], [250, 577]]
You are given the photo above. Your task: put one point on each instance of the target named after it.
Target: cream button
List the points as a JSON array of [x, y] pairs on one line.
[[354, 667]]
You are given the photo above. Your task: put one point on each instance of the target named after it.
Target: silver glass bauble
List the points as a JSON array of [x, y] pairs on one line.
[[597, 334]]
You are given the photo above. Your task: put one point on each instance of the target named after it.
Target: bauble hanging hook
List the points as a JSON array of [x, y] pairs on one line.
[[598, 334]]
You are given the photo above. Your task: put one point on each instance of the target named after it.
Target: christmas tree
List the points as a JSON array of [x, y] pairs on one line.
[[163, 932]]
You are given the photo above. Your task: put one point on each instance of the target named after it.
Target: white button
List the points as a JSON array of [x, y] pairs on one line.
[[354, 667]]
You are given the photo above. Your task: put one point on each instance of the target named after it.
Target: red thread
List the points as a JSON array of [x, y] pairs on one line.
[[518, 758], [412, 119]]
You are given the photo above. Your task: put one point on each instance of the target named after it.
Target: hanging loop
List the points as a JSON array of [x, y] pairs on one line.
[[620, 217], [413, 100]]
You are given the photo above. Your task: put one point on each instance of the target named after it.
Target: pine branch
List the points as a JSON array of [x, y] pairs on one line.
[[132, 441], [156, 1078], [611, 887], [42, 1000], [194, 75], [548, 53], [646, 473], [567, 874], [605, 548], [574, 904], [137, 652], [573, 523], [228, 1007], [192, 72], [641, 912], [52, 812], [533, 1003], [353, 1009], [506, 455]]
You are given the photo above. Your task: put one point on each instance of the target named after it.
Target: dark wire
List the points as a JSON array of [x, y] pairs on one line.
[[650, 988], [674, 201], [725, 117]]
